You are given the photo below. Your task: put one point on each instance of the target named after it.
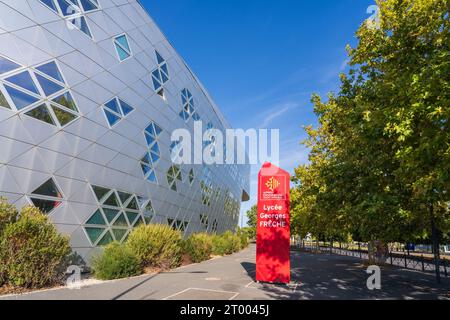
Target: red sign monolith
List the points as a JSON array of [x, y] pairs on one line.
[[273, 263]]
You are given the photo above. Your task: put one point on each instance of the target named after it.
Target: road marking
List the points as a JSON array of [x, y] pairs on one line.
[[235, 294]]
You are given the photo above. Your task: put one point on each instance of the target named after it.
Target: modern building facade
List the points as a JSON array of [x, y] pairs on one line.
[[90, 92]]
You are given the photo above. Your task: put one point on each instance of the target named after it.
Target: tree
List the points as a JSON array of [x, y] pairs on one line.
[[252, 217], [379, 158]]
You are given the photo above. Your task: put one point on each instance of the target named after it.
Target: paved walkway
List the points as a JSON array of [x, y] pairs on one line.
[[314, 277]]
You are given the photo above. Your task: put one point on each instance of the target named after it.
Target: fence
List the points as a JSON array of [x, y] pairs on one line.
[[403, 260]]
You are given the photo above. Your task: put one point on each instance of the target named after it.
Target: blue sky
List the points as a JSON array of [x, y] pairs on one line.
[[262, 60]]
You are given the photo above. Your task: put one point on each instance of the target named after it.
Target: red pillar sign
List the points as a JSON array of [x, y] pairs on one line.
[[273, 263]]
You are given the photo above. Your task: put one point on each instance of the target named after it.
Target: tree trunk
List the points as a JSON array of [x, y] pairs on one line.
[[436, 249], [378, 252]]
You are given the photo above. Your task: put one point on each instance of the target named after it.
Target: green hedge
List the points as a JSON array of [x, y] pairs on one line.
[[8, 214], [117, 261], [157, 246], [198, 247], [32, 253], [244, 238], [227, 243]]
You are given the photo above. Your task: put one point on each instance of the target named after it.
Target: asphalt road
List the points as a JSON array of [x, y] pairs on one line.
[[321, 277]]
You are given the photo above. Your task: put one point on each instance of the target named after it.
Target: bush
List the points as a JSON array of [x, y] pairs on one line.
[[198, 247], [226, 243], [244, 238], [157, 246], [117, 261], [32, 253], [233, 242], [8, 214], [219, 245]]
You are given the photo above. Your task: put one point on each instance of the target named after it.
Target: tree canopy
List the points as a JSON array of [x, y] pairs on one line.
[[379, 165]]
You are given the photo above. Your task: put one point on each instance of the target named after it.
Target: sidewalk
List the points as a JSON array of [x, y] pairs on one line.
[[231, 278]]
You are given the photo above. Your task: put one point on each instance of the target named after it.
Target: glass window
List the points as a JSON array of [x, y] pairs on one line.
[[24, 81], [110, 214], [107, 239], [94, 233], [119, 234], [133, 204], [100, 192], [67, 101], [122, 47], [50, 4], [7, 65], [132, 216], [159, 58], [155, 157], [49, 189], [96, 219], [49, 87], [145, 169], [121, 221], [3, 102], [68, 8], [46, 206], [41, 113], [150, 140], [113, 105], [63, 117], [112, 118], [112, 200], [88, 5], [158, 130], [164, 69], [123, 42], [126, 108], [152, 177], [81, 23], [115, 109], [51, 70], [123, 196], [21, 99]]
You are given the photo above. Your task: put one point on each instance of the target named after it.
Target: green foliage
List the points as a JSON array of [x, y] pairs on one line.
[[117, 261], [8, 214], [379, 158], [252, 217], [156, 246], [198, 247], [243, 237], [227, 243], [32, 253]]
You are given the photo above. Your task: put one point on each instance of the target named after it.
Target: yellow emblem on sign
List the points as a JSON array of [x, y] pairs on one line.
[[272, 184]]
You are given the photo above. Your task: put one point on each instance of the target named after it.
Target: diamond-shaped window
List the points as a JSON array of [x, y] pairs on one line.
[[47, 197], [7, 65], [112, 201], [122, 47], [97, 219], [51, 69], [100, 192]]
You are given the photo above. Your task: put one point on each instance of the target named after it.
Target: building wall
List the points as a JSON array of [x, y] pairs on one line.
[[54, 151]]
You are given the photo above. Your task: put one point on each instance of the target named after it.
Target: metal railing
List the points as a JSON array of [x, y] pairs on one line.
[[403, 260]]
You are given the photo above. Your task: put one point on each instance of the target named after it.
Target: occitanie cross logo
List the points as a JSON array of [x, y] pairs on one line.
[[272, 184]]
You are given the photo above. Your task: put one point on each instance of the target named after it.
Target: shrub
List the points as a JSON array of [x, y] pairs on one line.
[[8, 214], [233, 242], [244, 238], [117, 261], [198, 247], [33, 253], [226, 243], [157, 246], [219, 245]]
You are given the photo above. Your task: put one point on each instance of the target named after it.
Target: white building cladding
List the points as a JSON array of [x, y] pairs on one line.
[[87, 107]]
